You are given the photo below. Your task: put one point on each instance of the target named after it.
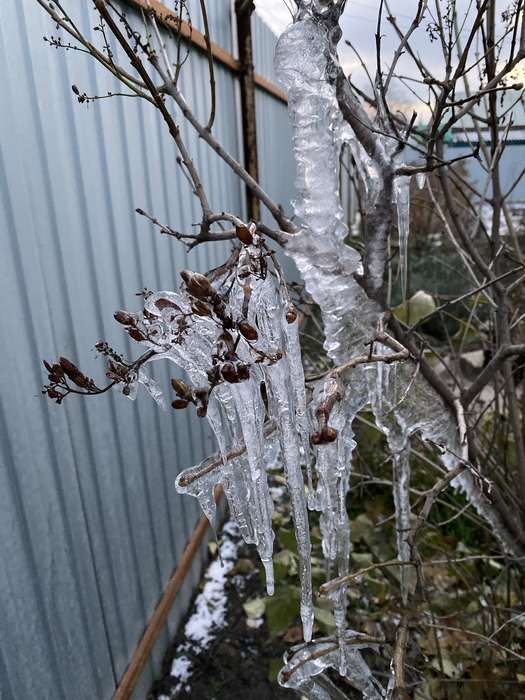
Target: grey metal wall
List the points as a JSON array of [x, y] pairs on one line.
[[90, 525]]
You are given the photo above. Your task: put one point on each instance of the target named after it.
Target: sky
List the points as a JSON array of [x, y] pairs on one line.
[[359, 25]]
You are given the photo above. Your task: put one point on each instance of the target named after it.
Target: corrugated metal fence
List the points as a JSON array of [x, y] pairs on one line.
[[90, 525]]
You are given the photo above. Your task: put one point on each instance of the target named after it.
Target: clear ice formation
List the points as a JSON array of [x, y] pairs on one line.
[[402, 201], [402, 404], [303, 63], [305, 666], [247, 430]]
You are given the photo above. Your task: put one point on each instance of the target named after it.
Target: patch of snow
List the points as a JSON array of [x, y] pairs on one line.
[[209, 614]]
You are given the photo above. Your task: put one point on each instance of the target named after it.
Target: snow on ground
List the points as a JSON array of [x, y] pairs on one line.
[[209, 614]]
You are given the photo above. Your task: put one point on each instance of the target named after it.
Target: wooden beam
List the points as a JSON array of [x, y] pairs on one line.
[[243, 16], [170, 20], [160, 615]]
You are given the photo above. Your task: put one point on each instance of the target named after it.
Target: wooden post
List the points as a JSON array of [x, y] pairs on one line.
[[243, 13]]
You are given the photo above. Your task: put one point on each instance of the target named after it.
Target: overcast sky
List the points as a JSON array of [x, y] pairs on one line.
[[359, 25]]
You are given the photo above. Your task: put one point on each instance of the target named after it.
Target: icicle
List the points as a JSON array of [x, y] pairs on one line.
[[250, 410], [334, 464], [293, 352], [401, 480], [402, 200], [287, 407], [421, 180]]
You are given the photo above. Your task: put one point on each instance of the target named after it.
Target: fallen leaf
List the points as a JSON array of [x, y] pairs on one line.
[[293, 634], [254, 608]]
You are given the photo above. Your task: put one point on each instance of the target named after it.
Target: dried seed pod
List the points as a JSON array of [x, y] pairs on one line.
[[244, 234], [290, 313], [247, 330], [179, 403], [125, 318], [126, 390], [197, 285]]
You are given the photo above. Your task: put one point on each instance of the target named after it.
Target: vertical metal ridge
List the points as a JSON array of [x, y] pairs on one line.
[[95, 527]]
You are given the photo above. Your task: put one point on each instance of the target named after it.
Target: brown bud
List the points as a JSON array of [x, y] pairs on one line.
[[197, 285], [73, 373], [329, 434], [290, 313], [163, 303], [126, 390], [243, 371], [75, 90], [200, 308], [247, 330], [116, 370], [226, 343], [244, 234], [202, 410], [219, 307], [316, 439], [181, 388], [47, 365], [125, 318], [326, 435], [179, 403], [69, 368], [229, 373], [53, 394], [136, 334], [213, 374]]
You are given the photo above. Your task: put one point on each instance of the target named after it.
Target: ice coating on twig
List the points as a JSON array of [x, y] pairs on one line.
[[262, 345], [325, 263], [402, 200], [305, 665]]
